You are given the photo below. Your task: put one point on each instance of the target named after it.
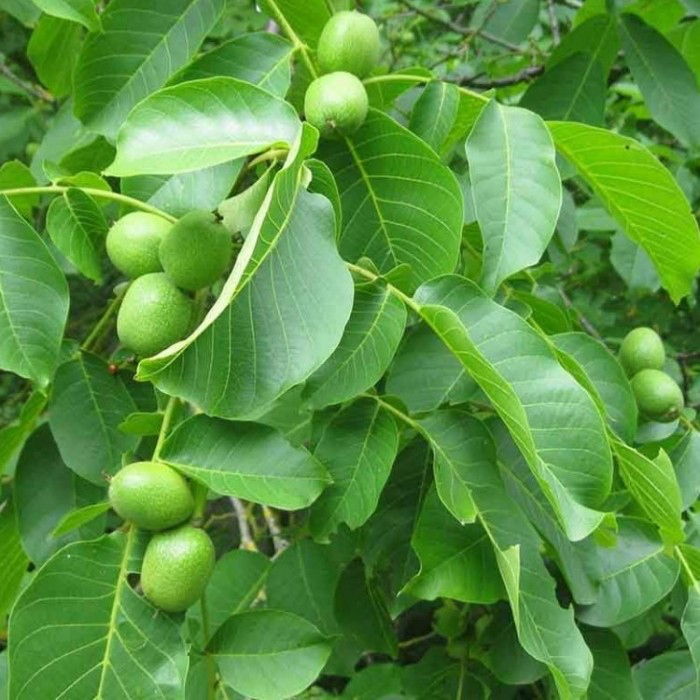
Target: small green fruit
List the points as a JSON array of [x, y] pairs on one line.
[[154, 314], [349, 42], [641, 349], [196, 251], [658, 396], [336, 104], [133, 242], [176, 567], [151, 495]]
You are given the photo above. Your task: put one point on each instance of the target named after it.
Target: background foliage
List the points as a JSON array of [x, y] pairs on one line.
[[422, 466]]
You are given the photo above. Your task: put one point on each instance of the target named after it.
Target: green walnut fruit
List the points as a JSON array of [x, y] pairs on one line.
[[658, 396], [196, 251], [151, 495], [642, 349], [154, 314], [133, 242], [349, 42], [176, 567], [336, 104]]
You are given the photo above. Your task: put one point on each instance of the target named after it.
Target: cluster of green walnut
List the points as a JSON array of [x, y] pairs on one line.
[[165, 262], [348, 48], [642, 356], [179, 557]]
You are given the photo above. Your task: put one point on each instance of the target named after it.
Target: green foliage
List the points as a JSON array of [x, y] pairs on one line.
[[391, 314]]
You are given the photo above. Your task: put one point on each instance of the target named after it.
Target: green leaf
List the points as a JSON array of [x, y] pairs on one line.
[[245, 460], [302, 581], [400, 204], [303, 19], [79, 613], [690, 624], [388, 533], [500, 651], [199, 124], [361, 611], [435, 676], [434, 113], [79, 517], [686, 38], [78, 228], [545, 630], [262, 59], [573, 90], [181, 193], [382, 90], [135, 54], [552, 419], [669, 675], [141, 423], [653, 485], [238, 212], [23, 10], [258, 355], [577, 561], [457, 561], [14, 560], [596, 37], [425, 374], [13, 435], [88, 404], [45, 492], [608, 378], [511, 20], [368, 344], [636, 574], [53, 50], [642, 196], [235, 583], [516, 189], [33, 300], [685, 456], [612, 675], [379, 681], [13, 174], [668, 85], [269, 654], [633, 264], [323, 182], [357, 448], [81, 11]]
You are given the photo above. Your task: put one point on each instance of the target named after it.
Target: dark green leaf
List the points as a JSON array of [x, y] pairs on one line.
[[303, 19], [78, 517], [368, 344], [34, 299], [685, 456], [434, 113], [14, 560], [78, 228], [269, 654], [671, 675], [636, 574], [400, 204], [88, 403], [457, 561], [357, 448], [612, 675], [81, 11], [45, 492], [361, 611], [135, 54]]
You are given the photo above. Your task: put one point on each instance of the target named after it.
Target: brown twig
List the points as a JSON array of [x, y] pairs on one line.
[[587, 325], [553, 23], [35, 90], [520, 77], [247, 541], [470, 33], [278, 542]]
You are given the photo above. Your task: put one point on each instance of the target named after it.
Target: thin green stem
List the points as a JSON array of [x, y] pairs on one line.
[[395, 411], [272, 154], [206, 632], [299, 45], [93, 339], [684, 562], [168, 415], [93, 192], [393, 290]]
